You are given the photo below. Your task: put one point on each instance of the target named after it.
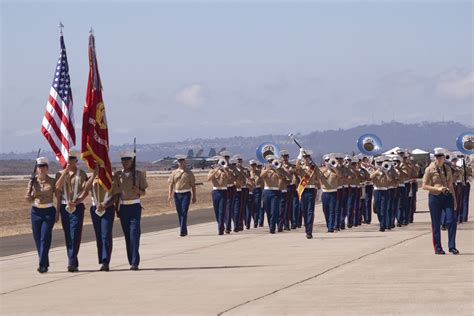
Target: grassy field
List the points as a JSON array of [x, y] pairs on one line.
[[15, 211]]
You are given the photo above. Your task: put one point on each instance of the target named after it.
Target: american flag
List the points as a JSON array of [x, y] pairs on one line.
[[58, 121]]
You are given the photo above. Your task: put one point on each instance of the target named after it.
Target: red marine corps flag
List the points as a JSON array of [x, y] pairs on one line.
[[95, 134]]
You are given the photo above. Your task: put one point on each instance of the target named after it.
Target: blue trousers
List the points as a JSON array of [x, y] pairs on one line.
[[283, 219], [402, 212], [438, 203], [390, 198], [244, 196], [381, 205], [414, 189], [249, 210], [337, 216], [182, 201], [465, 202], [369, 190], [308, 199], [408, 190], [329, 208], [103, 232], [42, 222], [343, 207], [72, 226], [351, 203], [296, 209], [130, 218], [271, 204], [229, 208], [357, 214], [236, 212], [219, 201], [257, 208]]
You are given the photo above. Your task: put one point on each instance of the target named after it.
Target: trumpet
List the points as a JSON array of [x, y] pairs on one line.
[[276, 164], [332, 163], [386, 166], [222, 163]]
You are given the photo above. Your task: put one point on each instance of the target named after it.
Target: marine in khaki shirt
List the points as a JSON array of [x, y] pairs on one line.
[[271, 178], [380, 178], [182, 180], [438, 178], [219, 177], [331, 179], [71, 183], [255, 176], [123, 183]]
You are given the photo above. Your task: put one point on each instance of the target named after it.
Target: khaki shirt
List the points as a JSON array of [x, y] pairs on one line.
[[182, 179], [271, 178], [302, 170], [345, 181], [255, 176], [380, 180], [331, 179], [456, 173], [98, 194], [364, 176], [219, 180], [395, 178], [434, 176], [70, 185], [43, 190], [123, 183]]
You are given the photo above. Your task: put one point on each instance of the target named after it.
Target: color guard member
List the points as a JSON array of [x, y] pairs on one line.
[[41, 192], [71, 184], [130, 210]]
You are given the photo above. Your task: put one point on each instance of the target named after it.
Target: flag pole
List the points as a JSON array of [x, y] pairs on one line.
[[61, 26]]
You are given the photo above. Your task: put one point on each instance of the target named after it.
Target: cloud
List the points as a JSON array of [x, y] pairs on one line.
[[192, 96], [456, 85]]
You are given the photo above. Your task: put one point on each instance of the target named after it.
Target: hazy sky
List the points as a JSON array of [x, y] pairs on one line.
[[177, 70]]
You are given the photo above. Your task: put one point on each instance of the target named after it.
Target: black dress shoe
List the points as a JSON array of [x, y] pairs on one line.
[[287, 228], [454, 251], [443, 227], [72, 269], [272, 232], [41, 269], [293, 226], [331, 230], [104, 267], [221, 233], [349, 226], [247, 227], [381, 229], [134, 267], [309, 236], [227, 231], [280, 230], [399, 225], [440, 252], [255, 226], [343, 227]]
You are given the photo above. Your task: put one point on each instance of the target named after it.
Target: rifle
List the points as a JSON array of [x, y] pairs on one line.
[[134, 161], [33, 175]]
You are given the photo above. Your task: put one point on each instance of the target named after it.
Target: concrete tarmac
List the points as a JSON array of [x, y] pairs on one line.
[[358, 271]]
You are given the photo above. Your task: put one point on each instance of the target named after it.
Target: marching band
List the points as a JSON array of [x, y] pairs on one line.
[[273, 186]]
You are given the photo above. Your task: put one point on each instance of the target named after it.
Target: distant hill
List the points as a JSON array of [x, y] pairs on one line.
[[424, 135]]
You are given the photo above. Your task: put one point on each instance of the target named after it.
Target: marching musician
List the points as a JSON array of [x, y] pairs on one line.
[[381, 180], [258, 213], [286, 172], [331, 174], [244, 193], [70, 185], [392, 194], [401, 205], [271, 193], [309, 173], [250, 207], [438, 181], [239, 182], [182, 187], [41, 191], [345, 183], [466, 187], [219, 176], [352, 199], [231, 190], [296, 213], [102, 213], [369, 190], [129, 185]]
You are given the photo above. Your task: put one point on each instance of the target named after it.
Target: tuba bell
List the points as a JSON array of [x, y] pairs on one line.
[[369, 144], [465, 143], [267, 149]]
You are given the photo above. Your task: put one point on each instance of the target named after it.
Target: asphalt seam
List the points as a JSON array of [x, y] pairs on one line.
[[323, 273]]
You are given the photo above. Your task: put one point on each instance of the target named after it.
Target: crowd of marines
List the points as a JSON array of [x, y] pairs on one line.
[[351, 187]]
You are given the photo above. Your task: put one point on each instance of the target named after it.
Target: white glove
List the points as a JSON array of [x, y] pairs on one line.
[[300, 155]]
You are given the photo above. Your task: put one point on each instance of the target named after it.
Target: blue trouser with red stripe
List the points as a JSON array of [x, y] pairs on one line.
[[351, 201], [42, 222], [103, 226], [283, 216], [72, 226], [369, 191], [402, 213], [130, 218], [308, 199], [244, 196], [357, 211], [295, 214], [182, 201], [390, 198], [271, 204], [465, 201], [236, 212], [438, 203], [249, 209], [219, 201]]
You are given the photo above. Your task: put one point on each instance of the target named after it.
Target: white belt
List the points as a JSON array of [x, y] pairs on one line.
[[340, 187], [129, 202], [380, 189], [239, 190], [354, 186], [459, 181], [345, 186], [284, 191], [271, 188], [407, 181], [311, 186], [182, 191], [329, 191], [401, 185], [230, 185], [64, 202], [369, 183], [219, 188], [250, 193], [391, 187], [43, 205]]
